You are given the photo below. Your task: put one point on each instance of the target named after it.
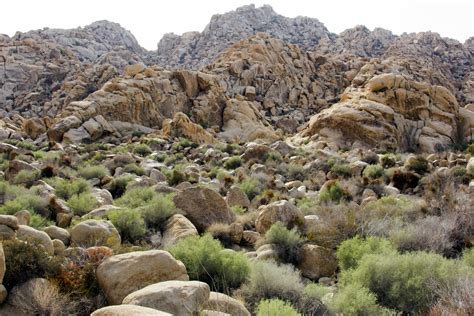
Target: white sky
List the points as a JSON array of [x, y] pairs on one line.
[[148, 20]]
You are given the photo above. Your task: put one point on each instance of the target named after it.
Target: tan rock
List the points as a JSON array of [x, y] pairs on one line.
[[2, 264], [176, 228], [123, 274], [203, 207], [23, 217], [236, 197], [226, 304], [6, 233], [29, 234], [133, 70], [55, 232], [317, 262], [188, 81], [182, 126], [10, 221], [34, 127], [95, 233], [174, 297], [128, 310], [279, 211]]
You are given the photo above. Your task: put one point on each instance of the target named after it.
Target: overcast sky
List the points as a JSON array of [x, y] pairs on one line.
[[148, 20]]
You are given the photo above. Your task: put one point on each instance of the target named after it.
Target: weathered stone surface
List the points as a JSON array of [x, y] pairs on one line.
[[123, 274], [317, 262], [174, 297], [203, 207], [10, 221], [176, 228], [127, 310], [236, 197], [55, 232], [29, 234], [181, 126], [226, 304], [279, 211], [95, 233], [2, 264]]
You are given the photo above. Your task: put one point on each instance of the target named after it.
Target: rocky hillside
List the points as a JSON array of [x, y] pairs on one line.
[[264, 166]]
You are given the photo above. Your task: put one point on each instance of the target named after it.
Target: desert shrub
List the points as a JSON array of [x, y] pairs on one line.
[[233, 162], [334, 192], [221, 232], [417, 164], [82, 203], [27, 260], [307, 205], [468, 257], [39, 222], [373, 171], [403, 281], [251, 187], [207, 261], [273, 157], [317, 291], [238, 210], [91, 172], [118, 185], [337, 223], [176, 175], [341, 169], [135, 169], [26, 177], [431, 233], [269, 280], [296, 172], [158, 210], [136, 197], [351, 251], [41, 298], [142, 150], [66, 188], [276, 307], [184, 143], [388, 160], [129, 223], [455, 298], [26, 145], [371, 158], [392, 206], [287, 241], [27, 201], [354, 300]]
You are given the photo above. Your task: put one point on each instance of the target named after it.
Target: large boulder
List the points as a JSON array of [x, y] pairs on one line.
[[128, 310], [2, 264], [55, 232], [29, 234], [279, 211], [236, 197], [226, 304], [176, 228], [15, 166], [175, 297], [95, 233], [10, 221], [182, 126], [123, 274], [316, 262], [203, 207], [390, 112]]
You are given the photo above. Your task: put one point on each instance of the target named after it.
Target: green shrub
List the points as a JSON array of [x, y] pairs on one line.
[[91, 172], [26, 177], [82, 203], [351, 251], [341, 169], [388, 160], [391, 206], [175, 176], [66, 188], [142, 150], [307, 205], [317, 291], [269, 280], [39, 222], [129, 223], [405, 282], [468, 257], [417, 164], [251, 187], [354, 300], [273, 157], [27, 201], [276, 307], [118, 186], [207, 261], [373, 171], [233, 162], [287, 241], [296, 172], [26, 145], [27, 260], [334, 192], [238, 210], [158, 210], [135, 169], [136, 197]]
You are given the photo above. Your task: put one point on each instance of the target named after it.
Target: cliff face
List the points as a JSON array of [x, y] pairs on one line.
[[254, 70]]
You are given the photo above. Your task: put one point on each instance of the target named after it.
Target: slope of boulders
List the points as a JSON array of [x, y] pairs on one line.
[[168, 225]]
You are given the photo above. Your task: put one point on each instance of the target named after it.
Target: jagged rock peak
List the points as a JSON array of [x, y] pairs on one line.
[[195, 50]]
